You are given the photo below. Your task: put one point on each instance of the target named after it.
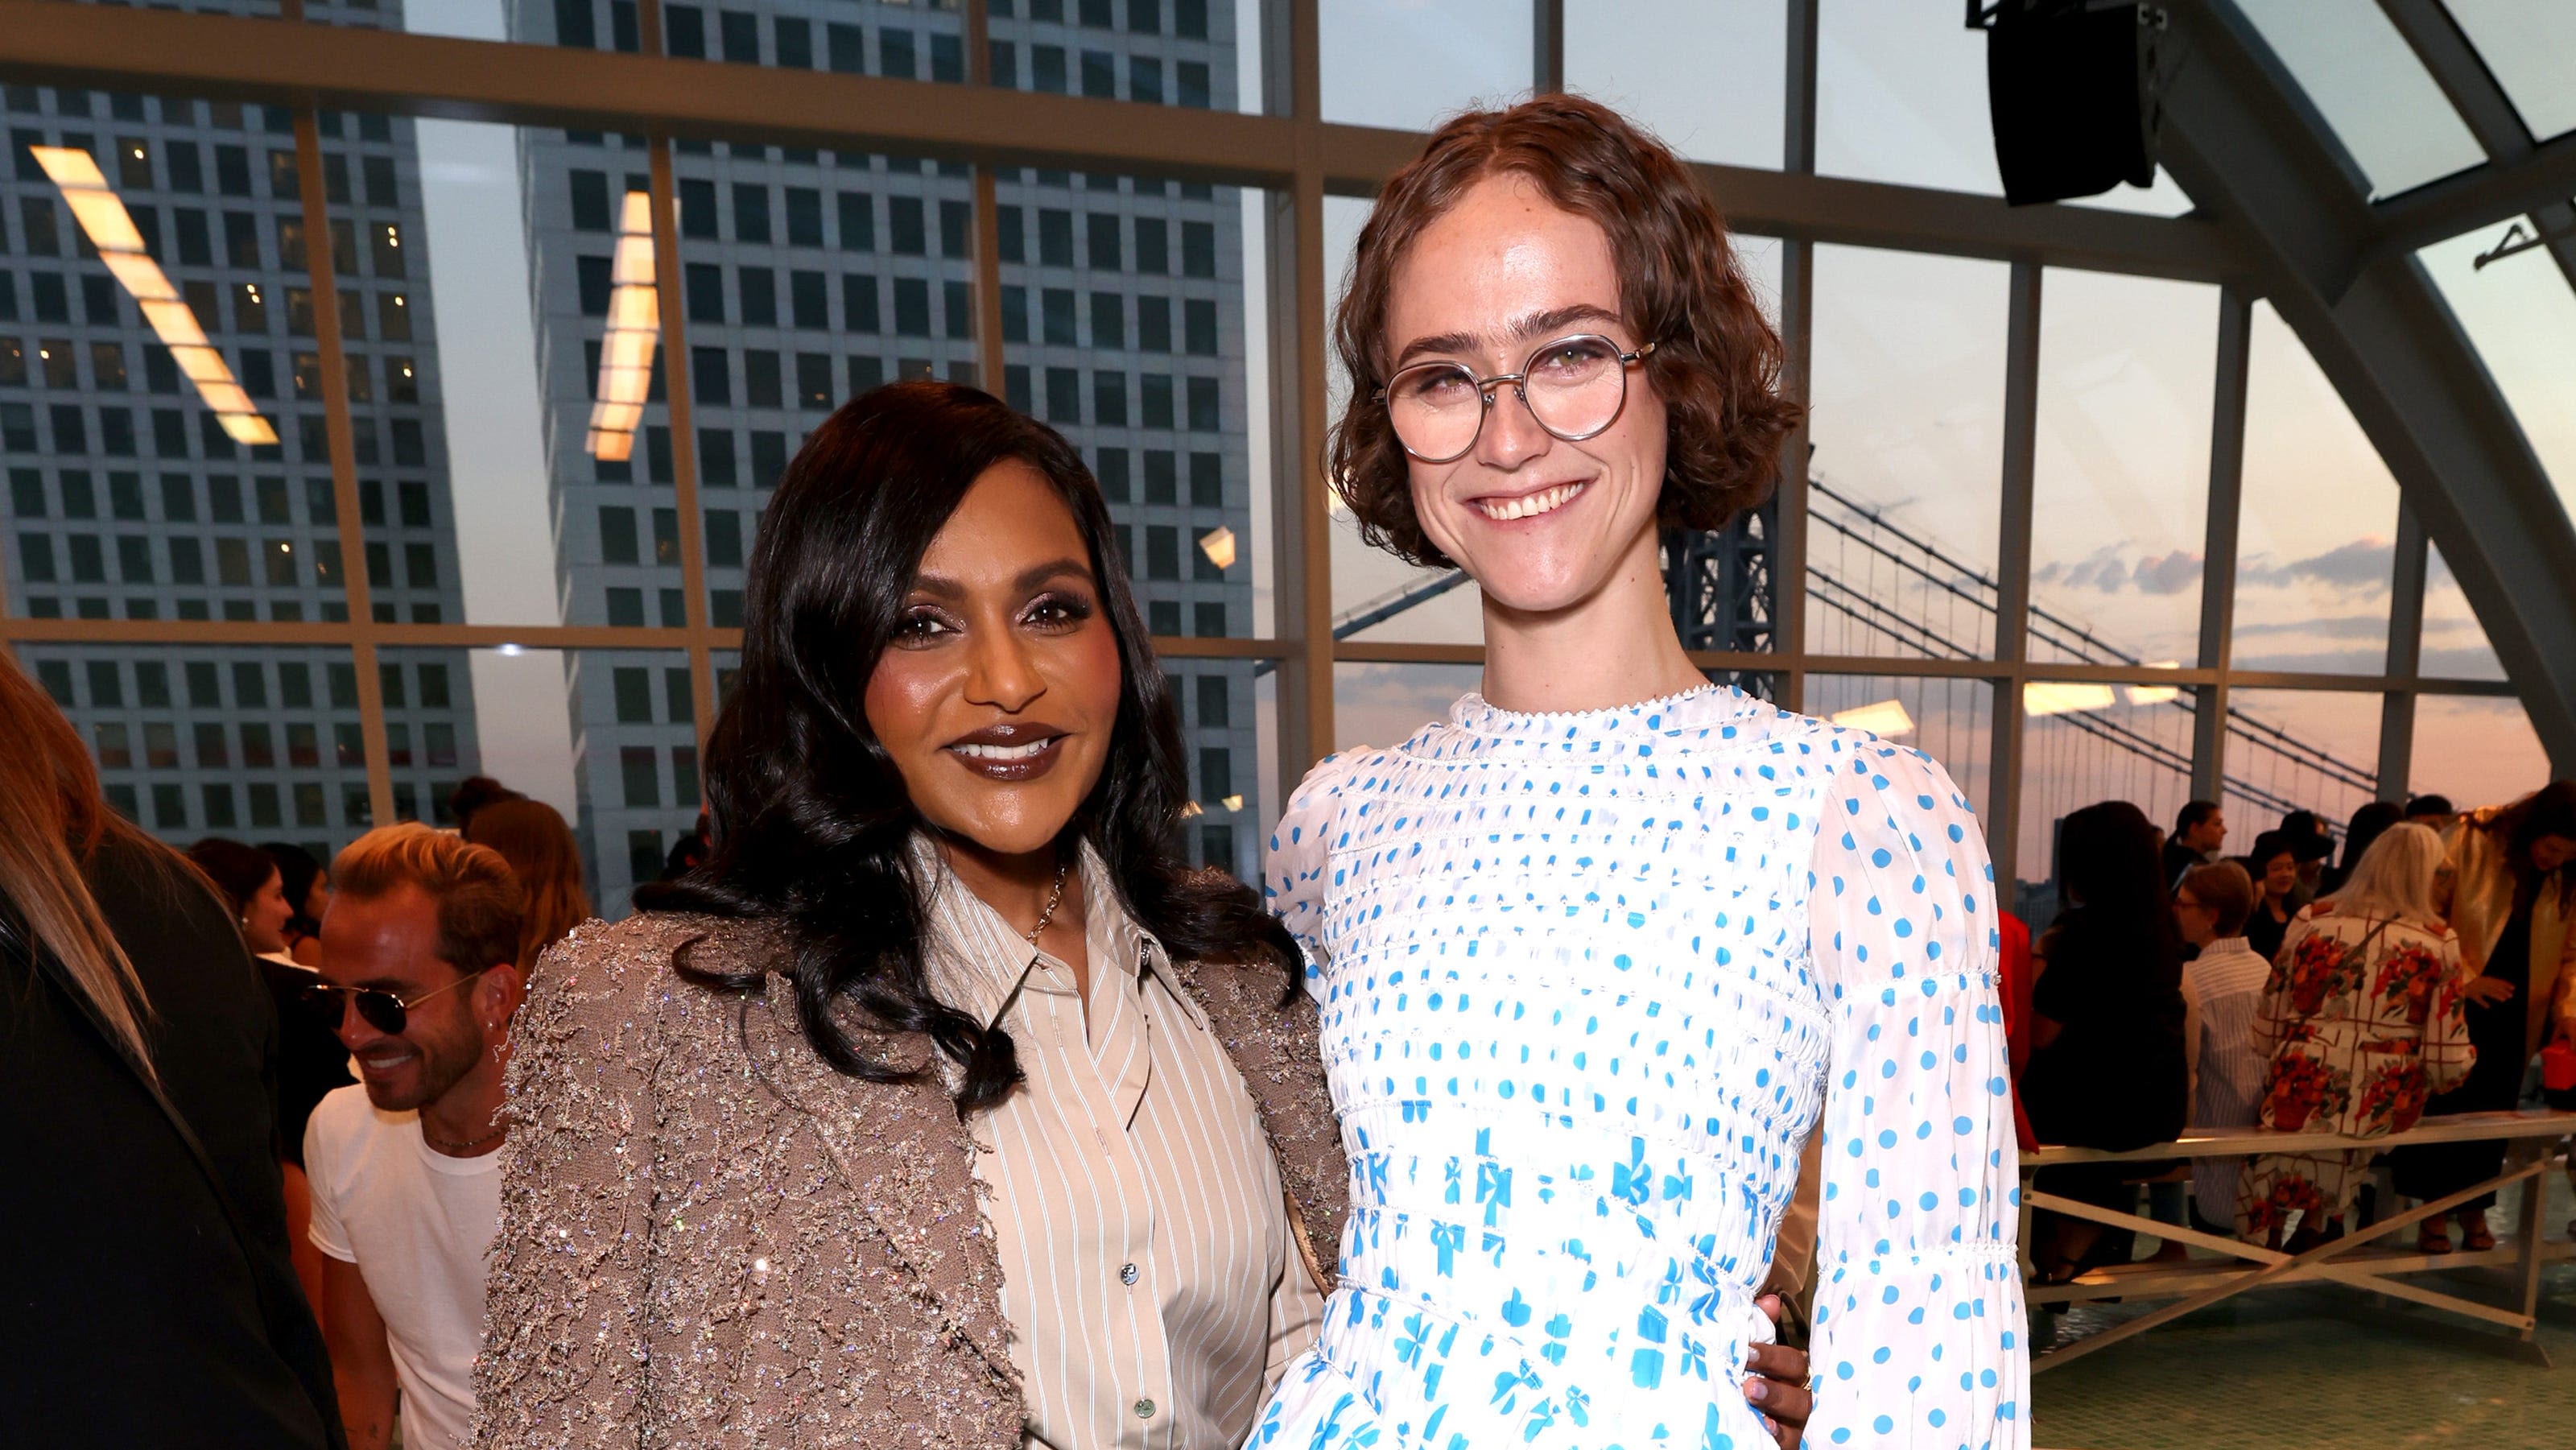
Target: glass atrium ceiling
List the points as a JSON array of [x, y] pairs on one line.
[[2381, 90]]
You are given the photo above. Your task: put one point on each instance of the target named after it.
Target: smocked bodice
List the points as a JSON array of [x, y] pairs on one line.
[[1587, 983]]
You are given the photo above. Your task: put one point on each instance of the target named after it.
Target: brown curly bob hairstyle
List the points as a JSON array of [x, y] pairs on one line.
[[1716, 363]]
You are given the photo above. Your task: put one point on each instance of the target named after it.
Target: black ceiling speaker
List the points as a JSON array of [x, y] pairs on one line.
[[2069, 85]]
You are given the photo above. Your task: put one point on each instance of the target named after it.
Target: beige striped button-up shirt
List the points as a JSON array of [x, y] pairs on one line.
[[1152, 1285]]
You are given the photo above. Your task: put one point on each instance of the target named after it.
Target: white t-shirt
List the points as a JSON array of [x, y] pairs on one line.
[[417, 1223]]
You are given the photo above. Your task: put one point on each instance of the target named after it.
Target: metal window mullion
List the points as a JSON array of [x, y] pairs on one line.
[[1547, 46], [1788, 544], [2405, 655], [677, 401], [334, 362], [1301, 522], [988, 216], [684, 438], [2012, 573], [2219, 545]]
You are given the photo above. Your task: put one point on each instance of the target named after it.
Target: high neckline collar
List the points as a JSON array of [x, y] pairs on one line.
[[1685, 709]]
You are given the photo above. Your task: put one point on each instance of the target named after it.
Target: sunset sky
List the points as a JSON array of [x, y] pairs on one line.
[[1908, 379]]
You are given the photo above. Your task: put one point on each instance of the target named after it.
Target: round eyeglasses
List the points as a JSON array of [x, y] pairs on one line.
[[1574, 387]]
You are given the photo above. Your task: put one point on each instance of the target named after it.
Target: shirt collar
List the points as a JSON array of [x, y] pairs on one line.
[[975, 961]]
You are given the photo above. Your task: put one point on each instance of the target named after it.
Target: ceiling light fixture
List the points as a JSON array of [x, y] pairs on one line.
[[104, 220], [634, 326]]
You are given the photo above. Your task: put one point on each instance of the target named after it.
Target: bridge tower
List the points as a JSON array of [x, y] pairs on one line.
[[1721, 591]]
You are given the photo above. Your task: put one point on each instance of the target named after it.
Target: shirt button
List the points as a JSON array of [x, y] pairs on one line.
[[1127, 1275], [1144, 1409]]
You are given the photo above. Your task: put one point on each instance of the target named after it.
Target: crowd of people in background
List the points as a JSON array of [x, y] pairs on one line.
[[300, 1066], [2424, 969]]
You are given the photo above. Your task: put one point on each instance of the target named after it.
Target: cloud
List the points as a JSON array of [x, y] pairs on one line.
[[2341, 626], [2362, 565], [2105, 571]]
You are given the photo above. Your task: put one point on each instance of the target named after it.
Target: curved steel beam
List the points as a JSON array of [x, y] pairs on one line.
[[2239, 139]]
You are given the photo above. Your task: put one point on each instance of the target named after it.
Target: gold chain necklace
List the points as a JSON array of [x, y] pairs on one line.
[[1055, 898], [458, 1149]]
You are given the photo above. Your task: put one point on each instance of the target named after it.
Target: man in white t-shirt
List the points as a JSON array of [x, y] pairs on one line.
[[419, 951]]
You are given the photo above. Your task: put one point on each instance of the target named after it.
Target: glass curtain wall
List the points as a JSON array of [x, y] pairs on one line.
[[350, 455]]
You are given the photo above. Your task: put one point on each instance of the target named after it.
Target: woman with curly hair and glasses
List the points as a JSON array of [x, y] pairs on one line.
[[944, 1104], [1597, 952]]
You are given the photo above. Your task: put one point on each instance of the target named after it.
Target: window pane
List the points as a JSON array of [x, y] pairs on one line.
[[526, 744], [823, 274], [2085, 743], [2478, 750], [1409, 66], [254, 743], [2364, 79], [1950, 720], [2530, 45], [1227, 711], [1906, 477], [182, 492], [2521, 314], [2291, 750], [1651, 59], [1901, 96], [2455, 643], [1382, 705], [2122, 481], [1126, 328], [629, 763], [1174, 53], [907, 42], [2320, 509]]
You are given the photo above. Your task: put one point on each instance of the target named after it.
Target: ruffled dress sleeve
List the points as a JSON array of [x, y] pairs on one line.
[[1293, 877], [1920, 1337]]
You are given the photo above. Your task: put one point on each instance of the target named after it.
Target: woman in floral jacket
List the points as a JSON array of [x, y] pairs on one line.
[[2362, 1020]]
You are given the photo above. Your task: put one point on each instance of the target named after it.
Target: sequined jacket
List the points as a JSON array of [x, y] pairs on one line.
[[710, 1238]]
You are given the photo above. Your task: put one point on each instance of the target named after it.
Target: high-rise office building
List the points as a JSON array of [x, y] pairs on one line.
[[808, 277], [129, 499]]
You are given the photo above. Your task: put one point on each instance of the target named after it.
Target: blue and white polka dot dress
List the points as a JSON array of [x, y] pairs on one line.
[[1587, 981]]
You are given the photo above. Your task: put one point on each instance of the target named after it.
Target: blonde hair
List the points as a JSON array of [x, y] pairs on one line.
[[51, 819], [542, 853], [2394, 878], [480, 904]]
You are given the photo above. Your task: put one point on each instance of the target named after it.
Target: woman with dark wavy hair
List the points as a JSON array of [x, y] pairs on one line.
[[1599, 951], [2107, 1066], [908, 1117], [943, 1104]]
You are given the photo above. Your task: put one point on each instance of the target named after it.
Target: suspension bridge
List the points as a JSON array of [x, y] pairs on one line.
[[1876, 588]]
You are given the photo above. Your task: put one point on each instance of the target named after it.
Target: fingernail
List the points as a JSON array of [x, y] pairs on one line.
[[1761, 1390]]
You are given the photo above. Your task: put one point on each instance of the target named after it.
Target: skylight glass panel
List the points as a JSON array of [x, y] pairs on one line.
[[2530, 46], [2363, 78]]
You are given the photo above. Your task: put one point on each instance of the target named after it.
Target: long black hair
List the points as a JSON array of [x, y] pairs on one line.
[[2548, 811], [812, 820], [2108, 865]]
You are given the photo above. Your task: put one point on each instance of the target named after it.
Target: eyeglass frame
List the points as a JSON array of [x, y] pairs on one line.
[[348, 997], [1485, 388]]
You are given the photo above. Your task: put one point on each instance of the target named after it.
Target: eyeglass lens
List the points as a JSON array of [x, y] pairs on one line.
[[1574, 388], [382, 1011]]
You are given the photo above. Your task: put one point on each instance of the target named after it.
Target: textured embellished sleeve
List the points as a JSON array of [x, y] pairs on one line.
[[1920, 1338], [564, 1358], [1293, 877]]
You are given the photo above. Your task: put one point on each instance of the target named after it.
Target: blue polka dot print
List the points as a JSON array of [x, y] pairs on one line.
[[1588, 981]]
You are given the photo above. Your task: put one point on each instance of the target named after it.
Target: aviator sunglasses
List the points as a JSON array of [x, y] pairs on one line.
[[387, 1012]]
